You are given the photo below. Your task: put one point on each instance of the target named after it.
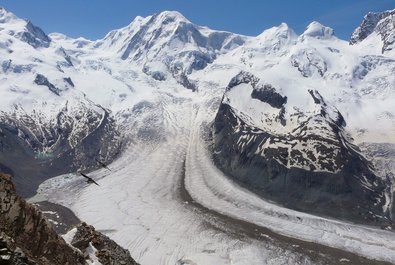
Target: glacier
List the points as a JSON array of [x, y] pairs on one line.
[[147, 95]]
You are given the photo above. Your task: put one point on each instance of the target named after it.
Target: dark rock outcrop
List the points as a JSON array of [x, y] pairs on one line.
[[108, 252], [268, 94], [382, 23], [10, 254], [43, 81], [29, 231], [35, 36], [61, 218], [27, 238]]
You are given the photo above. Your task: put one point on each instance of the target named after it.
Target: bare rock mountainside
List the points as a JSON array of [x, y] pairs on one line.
[[307, 164], [27, 238], [107, 251]]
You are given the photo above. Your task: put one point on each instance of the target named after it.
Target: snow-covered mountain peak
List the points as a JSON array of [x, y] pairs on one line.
[[274, 39], [164, 22], [317, 30], [167, 44], [11, 22], [368, 25], [69, 43], [22, 30], [283, 31], [170, 16], [381, 25], [6, 16]]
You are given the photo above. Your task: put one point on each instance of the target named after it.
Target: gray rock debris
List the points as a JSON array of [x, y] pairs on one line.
[[109, 252]]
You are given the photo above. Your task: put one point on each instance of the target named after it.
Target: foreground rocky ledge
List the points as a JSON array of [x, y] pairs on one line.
[[27, 238], [85, 237]]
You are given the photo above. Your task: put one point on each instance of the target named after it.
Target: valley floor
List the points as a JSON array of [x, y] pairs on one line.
[[168, 204]]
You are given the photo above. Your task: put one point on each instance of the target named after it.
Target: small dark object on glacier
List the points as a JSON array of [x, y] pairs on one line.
[[102, 164], [90, 180]]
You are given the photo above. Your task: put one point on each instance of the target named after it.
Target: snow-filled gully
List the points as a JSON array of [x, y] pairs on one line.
[[168, 204]]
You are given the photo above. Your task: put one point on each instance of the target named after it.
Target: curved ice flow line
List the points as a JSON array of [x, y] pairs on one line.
[[138, 204], [212, 189]]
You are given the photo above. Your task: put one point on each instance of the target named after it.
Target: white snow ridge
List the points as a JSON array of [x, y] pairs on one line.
[[147, 98]]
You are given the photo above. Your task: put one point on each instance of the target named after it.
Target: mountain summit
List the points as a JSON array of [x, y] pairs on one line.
[[23, 30], [168, 41], [380, 24]]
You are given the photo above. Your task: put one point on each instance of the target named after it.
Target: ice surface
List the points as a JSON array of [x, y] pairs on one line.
[[138, 203]]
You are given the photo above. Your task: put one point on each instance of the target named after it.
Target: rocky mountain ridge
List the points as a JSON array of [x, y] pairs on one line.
[[107, 251], [382, 24]]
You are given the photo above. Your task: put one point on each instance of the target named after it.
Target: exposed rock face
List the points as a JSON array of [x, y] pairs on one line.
[[382, 23], [108, 252], [10, 254], [43, 81], [30, 231], [383, 157], [35, 37], [309, 165], [61, 218]]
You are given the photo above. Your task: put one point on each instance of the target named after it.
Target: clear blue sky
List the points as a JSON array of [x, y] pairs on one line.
[[94, 18]]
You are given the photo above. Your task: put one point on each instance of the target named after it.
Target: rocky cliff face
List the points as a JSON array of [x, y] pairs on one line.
[[308, 165], [10, 254], [30, 232], [107, 251], [383, 24]]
